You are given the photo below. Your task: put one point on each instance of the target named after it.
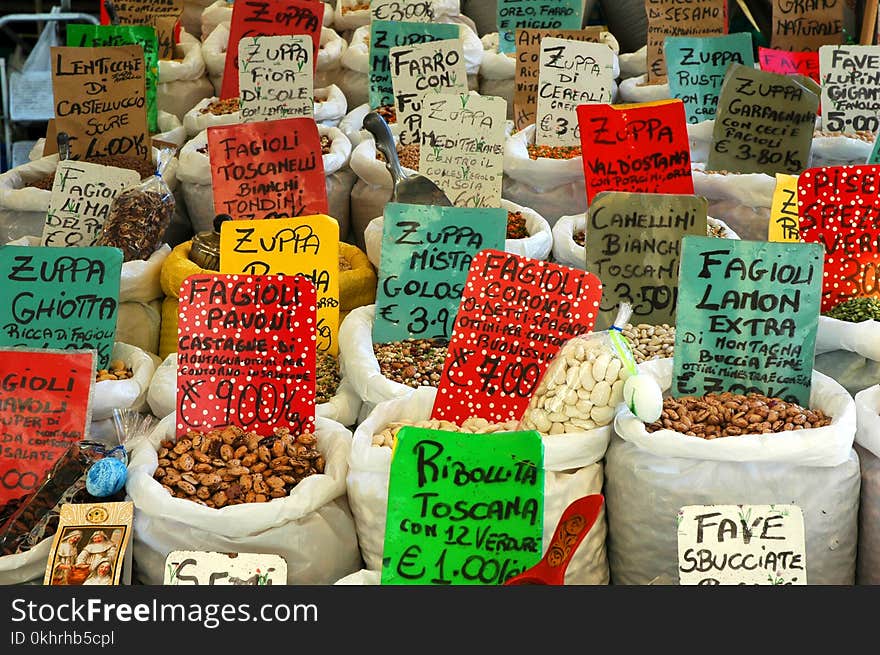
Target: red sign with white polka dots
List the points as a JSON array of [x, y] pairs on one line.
[[839, 207], [515, 314], [246, 353]]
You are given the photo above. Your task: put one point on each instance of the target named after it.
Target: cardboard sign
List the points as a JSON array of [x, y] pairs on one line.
[[676, 18], [783, 225], [453, 499], [386, 34], [515, 315], [46, 406], [426, 254], [80, 35], [307, 246], [839, 209], [50, 298], [408, 11], [850, 88], [799, 25], [696, 68], [790, 63], [528, 55], [246, 353], [538, 14], [100, 100], [80, 202], [417, 70], [764, 123], [275, 78], [463, 147], [642, 147], [741, 544], [635, 247], [162, 15], [269, 169], [269, 18], [753, 310], [168, 33], [198, 567], [572, 73], [90, 544]]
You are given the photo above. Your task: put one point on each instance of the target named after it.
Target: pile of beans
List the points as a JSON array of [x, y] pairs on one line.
[[516, 226], [117, 370], [221, 107], [473, 425], [856, 310], [143, 167], [326, 142], [650, 341], [388, 112], [554, 152], [327, 378], [408, 156], [413, 362]]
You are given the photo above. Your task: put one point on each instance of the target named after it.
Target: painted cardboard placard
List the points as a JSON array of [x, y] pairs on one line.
[[789, 63], [764, 123], [50, 298], [46, 407], [387, 34], [90, 544], [463, 147], [307, 246], [80, 35], [515, 314], [675, 18], [80, 202], [801, 26], [427, 544], [850, 82], [199, 567], [419, 69], [741, 544], [528, 55], [635, 247], [246, 353], [426, 255], [163, 15], [535, 14], [269, 18], [641, 147], [276, 78], [838, 208], [268, 169], [100, 100], [753, 310], [409, 11], [696, 67], [571, 73], [784, 220]]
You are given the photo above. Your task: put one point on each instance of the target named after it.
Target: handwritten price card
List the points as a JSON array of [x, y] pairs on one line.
[[790, 63], [807, 25], [642, 147], [764, 123], [572, 73], [753, 310], [162, 15], [198, 567], [675, 18], [635, 247], [495, 481], [839, 206], [246, 353], [80, 202], [696, 68], [850, 88], [515, 315], [46, 405], [386, 34], [268, 169], [50, 298], [783, 225], [463, 147], [307, 246], [100, 100], [541, 14], [275, 78], [409, 11], [741, 544], [416, 70], [426, 254]]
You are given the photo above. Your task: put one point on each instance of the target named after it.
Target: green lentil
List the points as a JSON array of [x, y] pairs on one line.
[[856, 310]]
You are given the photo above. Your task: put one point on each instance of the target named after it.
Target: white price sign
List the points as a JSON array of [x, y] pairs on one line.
[[195, 567]]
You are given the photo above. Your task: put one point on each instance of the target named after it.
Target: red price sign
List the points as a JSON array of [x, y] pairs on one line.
[[269, 18], [246, 353], [515, 315], [839, 207], [790, 63], [268, 169], [45, 404]]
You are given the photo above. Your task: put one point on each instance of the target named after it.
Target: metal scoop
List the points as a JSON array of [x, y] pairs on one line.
[[409, 189]]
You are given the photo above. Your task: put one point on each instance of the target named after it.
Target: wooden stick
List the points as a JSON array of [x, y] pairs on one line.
[[869, 23]]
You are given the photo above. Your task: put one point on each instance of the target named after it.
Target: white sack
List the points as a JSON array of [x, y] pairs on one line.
[[868, 448], [742, 201], [124, 394]]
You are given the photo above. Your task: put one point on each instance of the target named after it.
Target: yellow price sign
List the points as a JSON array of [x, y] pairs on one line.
[[784, 219]]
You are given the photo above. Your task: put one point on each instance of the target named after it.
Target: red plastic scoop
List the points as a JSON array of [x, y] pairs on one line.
[[573, 526]]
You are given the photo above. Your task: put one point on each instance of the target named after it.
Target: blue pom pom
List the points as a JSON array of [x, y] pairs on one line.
[[106, 477]]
